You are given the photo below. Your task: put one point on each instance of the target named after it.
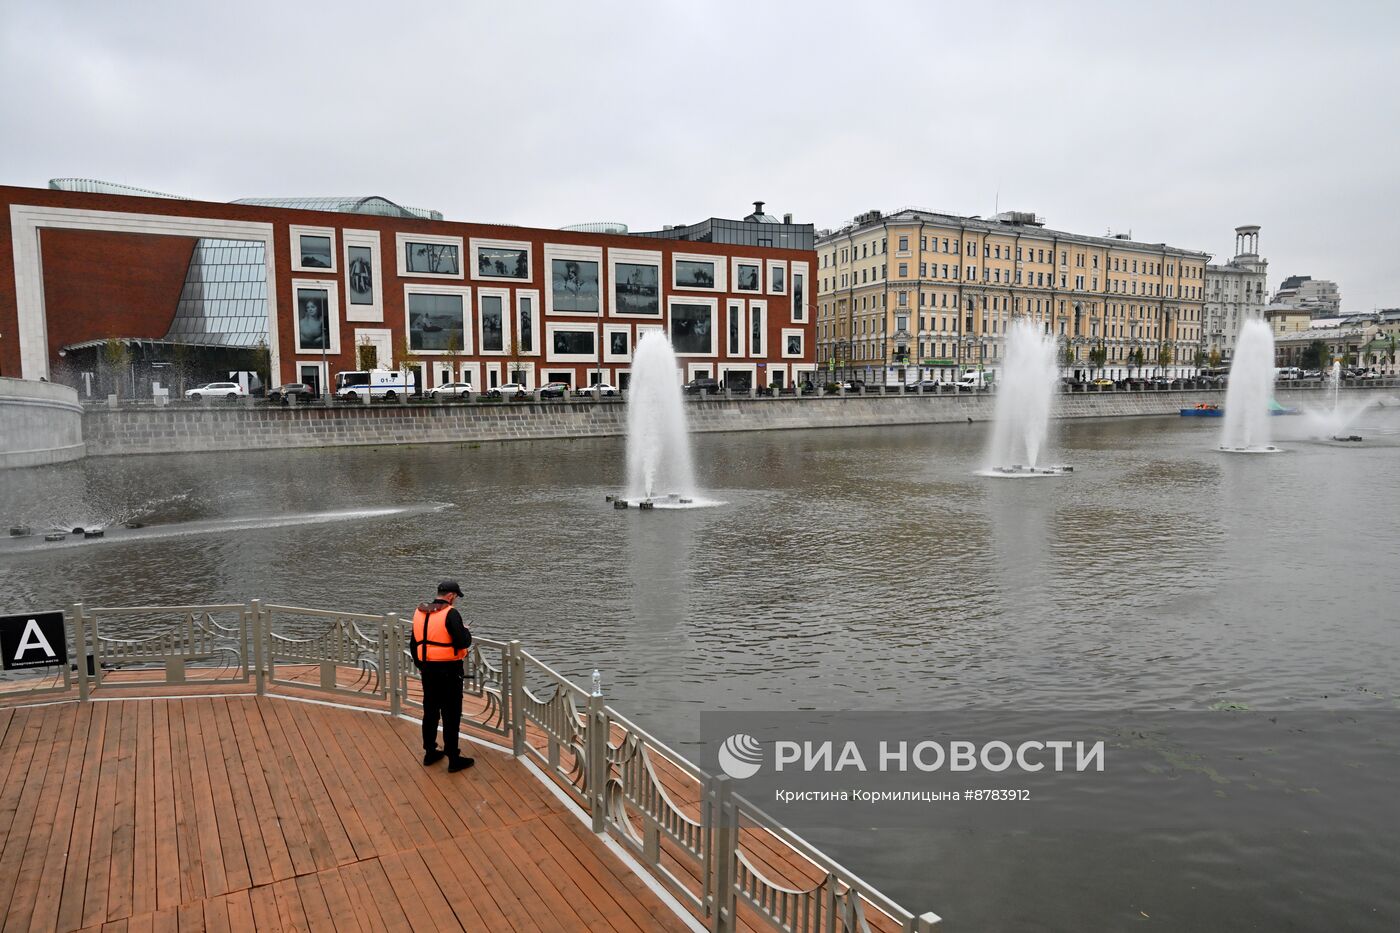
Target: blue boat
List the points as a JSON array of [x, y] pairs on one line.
[[1203, 410]]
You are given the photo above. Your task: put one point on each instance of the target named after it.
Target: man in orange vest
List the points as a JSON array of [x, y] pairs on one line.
[[440, 642]]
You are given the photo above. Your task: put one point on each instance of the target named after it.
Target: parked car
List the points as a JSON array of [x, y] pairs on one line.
[[509, 390], [923, 385], [300, 391], [603, 388], [701, 385], [452, 390], [228, 390], [854, 385], [554, 390], [1103, 383]]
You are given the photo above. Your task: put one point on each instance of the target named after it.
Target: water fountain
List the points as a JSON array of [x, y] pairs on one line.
[[1024, 395], [659, 472], [1332, 423], [1250, 389]]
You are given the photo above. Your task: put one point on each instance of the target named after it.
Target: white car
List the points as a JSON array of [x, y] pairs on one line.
[[509, 390], [229, 390], [452, 390], [603, 388]]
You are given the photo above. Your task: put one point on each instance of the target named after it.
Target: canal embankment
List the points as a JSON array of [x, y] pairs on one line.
[[226, 427]]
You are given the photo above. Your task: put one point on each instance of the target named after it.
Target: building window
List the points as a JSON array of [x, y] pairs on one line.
[[435, 322], [903, 244], [431, 258], [361, 275]]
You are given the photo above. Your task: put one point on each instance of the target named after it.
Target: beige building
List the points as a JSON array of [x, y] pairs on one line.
[[1235, 292], [920, 295], [1286, 319]]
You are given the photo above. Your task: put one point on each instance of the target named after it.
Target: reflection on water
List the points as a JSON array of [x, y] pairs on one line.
[[851, 569]]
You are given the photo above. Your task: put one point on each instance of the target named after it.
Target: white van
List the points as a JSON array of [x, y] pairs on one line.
[[387, 384], [976, 381], [1287, 373]]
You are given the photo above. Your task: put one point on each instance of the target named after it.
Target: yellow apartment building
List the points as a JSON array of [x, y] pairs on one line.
[[923, 295]]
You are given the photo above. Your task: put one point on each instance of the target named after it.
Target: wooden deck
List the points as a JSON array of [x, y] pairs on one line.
[[244, 812]]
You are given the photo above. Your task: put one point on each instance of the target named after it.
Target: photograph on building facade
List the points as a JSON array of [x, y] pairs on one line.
[[499, 262], [315, 252], [692, 273], [799, 310], [431, 258], [525, 333], [361, 275], [575, 284], [313, 321], [435, 322], [747, 279], [692, 328], [794, 345], [492, 324], [617, 343], [638, 288], [573, 342]]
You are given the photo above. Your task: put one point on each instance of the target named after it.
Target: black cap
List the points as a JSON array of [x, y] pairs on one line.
[[449, 586]]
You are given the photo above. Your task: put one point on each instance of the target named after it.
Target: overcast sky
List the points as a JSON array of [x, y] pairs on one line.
[[1175, 120]]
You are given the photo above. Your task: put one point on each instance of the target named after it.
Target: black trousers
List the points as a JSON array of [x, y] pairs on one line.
[[442, 699]]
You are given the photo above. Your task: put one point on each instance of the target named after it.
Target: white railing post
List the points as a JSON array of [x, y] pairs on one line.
[[75, 618], [391, 641], [259, 624], [517, 699], [597, 763], [722, 855]]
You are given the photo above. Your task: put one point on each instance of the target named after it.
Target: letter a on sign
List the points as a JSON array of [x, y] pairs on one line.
[[33, 640]]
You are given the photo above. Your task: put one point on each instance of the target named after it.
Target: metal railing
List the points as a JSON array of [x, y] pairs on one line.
[[715, 851]]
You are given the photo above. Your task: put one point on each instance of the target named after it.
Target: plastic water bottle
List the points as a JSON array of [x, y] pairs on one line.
[[597, 682]]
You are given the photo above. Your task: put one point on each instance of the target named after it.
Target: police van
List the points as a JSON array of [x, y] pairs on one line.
[[386, 384]]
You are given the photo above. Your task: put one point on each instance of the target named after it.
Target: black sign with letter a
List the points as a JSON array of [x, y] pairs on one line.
[[34, 639]]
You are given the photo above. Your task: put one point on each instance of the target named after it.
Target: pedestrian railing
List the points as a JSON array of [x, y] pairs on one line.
[[716, 852]]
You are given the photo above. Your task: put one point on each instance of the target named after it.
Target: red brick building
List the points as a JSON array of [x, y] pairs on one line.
[[481, 303]]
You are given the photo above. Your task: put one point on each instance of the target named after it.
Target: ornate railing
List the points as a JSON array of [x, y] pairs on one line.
[[717, 853], [189, 642]]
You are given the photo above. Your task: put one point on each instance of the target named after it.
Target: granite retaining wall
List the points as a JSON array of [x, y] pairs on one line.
[[235, 427], [40, 422]]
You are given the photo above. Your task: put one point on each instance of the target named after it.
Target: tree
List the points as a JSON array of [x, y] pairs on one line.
[[366, 355], [262, 364], [1135, 357], [1098, 356], [403, 353], [117, 357], [181, 366], [1164, 358], [1315, 355], [1214, 357], [515, 364], [1066, 355], [1199, 360]]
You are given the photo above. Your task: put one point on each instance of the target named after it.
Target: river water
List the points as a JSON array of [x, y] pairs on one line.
[[857, 569]]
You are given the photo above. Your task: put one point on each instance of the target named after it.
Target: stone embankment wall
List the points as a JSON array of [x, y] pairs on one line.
[[40, 422], [234, 427]]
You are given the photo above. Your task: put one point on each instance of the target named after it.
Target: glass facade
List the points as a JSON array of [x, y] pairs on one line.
[[224, 299]]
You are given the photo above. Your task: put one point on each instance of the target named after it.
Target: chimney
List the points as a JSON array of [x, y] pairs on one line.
[[758, 207], [787, 218]]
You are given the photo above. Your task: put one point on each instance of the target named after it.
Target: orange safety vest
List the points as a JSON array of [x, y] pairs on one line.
[[431, 642]]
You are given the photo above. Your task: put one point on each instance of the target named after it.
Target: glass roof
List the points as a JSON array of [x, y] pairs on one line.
[[372, 204]]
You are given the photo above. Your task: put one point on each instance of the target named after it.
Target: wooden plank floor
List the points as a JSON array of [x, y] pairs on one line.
[[240, 813]]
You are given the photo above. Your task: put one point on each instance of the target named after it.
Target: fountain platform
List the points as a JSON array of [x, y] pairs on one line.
[[1017, 471]]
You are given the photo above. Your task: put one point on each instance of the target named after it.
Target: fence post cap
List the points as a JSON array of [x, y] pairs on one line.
[[928, 920]]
